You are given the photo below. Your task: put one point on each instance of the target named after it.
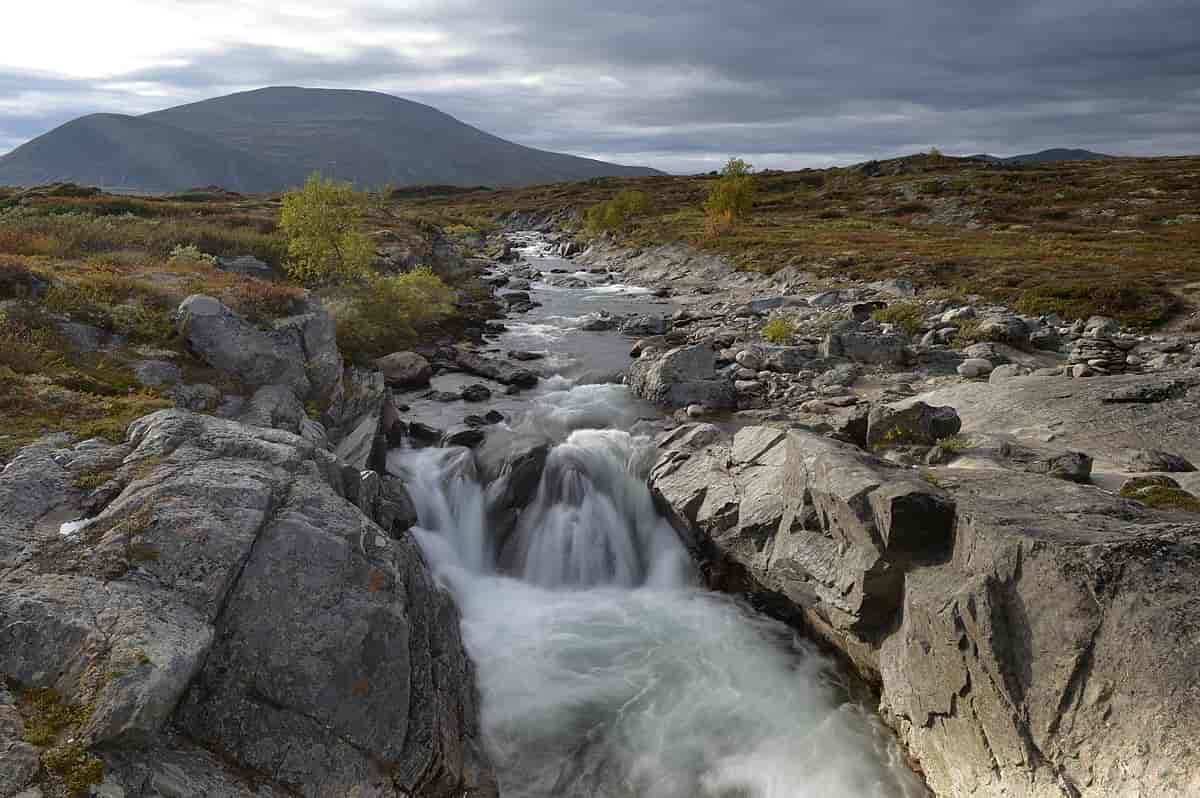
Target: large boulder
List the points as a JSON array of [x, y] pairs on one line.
[[232, 596], [680, 377], [299, 352], [405, 369], [1028, 636], [862, 347], [915, 423]]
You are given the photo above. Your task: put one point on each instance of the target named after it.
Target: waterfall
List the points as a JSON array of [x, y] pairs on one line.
[[605, 671]]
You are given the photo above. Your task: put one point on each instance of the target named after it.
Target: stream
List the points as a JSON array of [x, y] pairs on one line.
[[605, 669]]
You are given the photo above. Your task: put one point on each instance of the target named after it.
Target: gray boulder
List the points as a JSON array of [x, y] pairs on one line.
[[911, 424], [299, 352], [501, 371], [862, 347], [1148, 460], [233, 594], [680, 377], [405, 369], [247, 265], [642, 326], [1028, 636]]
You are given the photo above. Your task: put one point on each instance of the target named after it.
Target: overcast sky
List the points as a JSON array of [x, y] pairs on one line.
[[679, 85]]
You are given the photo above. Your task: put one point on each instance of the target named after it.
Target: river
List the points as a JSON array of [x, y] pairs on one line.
[[605, 669]]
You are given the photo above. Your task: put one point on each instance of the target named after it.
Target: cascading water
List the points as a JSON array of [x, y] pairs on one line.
[[605, 670]]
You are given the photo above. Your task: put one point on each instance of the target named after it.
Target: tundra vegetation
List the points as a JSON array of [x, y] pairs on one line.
[[1118, 238], [89, 283]]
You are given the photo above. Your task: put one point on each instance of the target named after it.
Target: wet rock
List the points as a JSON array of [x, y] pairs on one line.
[[680, 377], [422, 435], [599, 322], [522, 355], [476, 393], [469, 437], [493, 369], [405, 369]]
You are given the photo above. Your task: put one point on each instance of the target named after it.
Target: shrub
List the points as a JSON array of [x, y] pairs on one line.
[[908, 316], [190, 254], [382, 313], [1133, 305], [935, 157], [616, 213], [779, 331], [731, 198], [323, 223]]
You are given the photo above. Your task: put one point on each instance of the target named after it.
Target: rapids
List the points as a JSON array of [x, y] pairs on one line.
[[605, 669]]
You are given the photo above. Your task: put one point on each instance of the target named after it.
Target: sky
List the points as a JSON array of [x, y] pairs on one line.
[[681, 85]]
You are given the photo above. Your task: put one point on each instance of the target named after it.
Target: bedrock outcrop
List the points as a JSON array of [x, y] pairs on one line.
[[231, 619], [1029, 636]]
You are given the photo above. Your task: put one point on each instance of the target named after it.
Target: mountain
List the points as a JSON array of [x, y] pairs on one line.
[[271, 139], [1048, 156]]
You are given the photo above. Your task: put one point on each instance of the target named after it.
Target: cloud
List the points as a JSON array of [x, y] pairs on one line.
[[681, 85]]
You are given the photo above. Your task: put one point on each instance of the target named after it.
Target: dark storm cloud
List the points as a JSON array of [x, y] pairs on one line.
[[682, 84]]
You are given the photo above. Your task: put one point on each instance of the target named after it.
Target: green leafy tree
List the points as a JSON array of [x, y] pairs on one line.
[[375, 318], [731, 198], [323, 223]]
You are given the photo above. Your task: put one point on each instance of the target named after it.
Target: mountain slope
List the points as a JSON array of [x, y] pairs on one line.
[[270, 139], [1060, 154], [129, 152]]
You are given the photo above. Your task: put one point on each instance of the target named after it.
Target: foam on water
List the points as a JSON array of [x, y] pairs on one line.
[[605, 670]]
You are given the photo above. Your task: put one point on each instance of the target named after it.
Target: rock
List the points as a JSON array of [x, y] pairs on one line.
[[1006, 329], [1101, 327], [1045, 338], [975, 367], [787, 359], [1005, 614], [843, 375], [470, 437], [274, 406], [695, 411], [1006, 372], [493, 369], [749, 358], [518, 354], [747, 386], [157, 373], [300, 352], [598, 322], [246, 265], [405, 369], [476, 393], [19, 761], [422, 435], [1147, 460], [680, 377], [866, 348], [394, 509], [914, 423], [1099, 354], [199, 398], [640, 326], [903, 289], [238, 599]]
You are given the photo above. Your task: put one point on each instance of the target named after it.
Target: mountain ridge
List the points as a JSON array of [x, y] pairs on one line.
[[270, 139]]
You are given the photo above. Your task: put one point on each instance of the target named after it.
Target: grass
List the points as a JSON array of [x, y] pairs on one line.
[[51, 724], [907, 316], [122, 265], [1045, 237], [956, 444], [1161, 493], [779, 331]]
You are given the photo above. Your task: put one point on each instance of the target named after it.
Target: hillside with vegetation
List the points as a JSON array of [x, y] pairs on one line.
[[1114, 237]]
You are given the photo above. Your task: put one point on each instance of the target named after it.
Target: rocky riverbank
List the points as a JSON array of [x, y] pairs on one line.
[[986, 513]]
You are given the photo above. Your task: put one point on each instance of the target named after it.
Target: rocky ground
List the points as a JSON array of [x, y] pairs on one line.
[[987, 514]]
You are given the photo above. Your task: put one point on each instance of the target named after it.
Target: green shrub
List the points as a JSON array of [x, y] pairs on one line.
[[779, 331], [731, 198], [616, 213], [190, 254], [323, 224], [382, 314], [1138, 306], [1161, 493], [908, 316]]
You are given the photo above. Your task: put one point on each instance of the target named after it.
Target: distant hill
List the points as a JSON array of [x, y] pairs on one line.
[[1054, 155], [271, 139]]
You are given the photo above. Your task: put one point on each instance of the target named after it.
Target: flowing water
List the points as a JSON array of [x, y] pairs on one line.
[[605, 669]]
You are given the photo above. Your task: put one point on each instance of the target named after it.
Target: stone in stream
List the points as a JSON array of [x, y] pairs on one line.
[[476, 392], [642, 326], [493, 369]]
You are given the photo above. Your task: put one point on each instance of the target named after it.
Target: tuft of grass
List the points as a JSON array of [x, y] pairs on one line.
[[908, 316], [955, 444], [47, 716], [779, 331], [92, 478], [78, 768]]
